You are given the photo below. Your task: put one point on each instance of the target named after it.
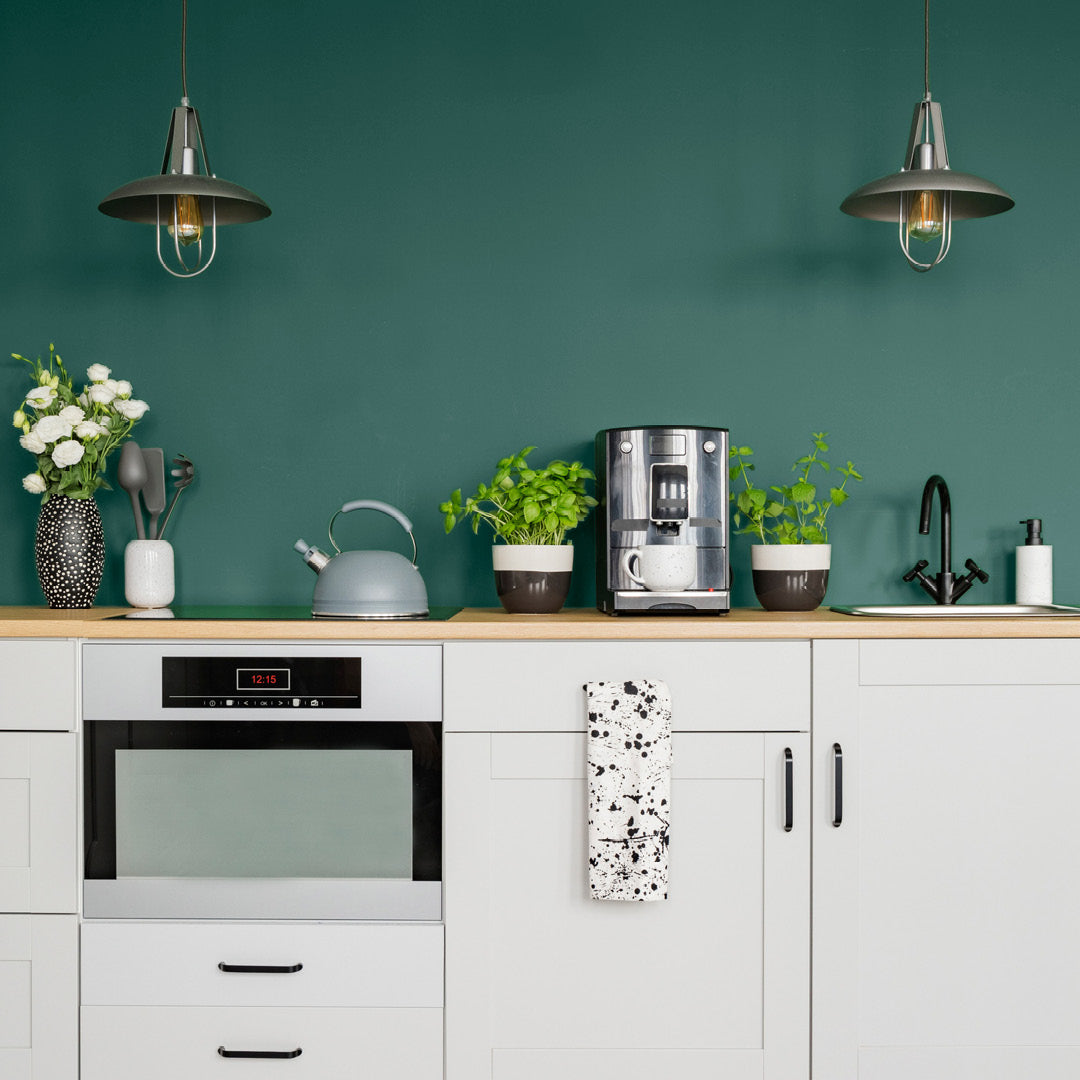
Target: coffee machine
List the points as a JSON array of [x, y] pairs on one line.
[[662, 486]]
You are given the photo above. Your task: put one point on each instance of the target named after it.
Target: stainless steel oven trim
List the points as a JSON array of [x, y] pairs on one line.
[[263, 898]]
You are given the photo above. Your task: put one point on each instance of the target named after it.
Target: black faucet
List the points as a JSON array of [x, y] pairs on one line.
[[946, 588]]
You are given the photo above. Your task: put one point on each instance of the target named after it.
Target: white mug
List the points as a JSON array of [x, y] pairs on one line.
[[662, 567]]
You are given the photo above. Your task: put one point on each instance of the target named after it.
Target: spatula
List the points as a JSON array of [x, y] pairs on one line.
[[153, 491], [131, 476]]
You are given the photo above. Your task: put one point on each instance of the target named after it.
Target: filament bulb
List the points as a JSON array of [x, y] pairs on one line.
[[926, 217], [187, 217]]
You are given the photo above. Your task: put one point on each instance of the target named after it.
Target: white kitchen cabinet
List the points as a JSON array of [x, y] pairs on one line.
[[137, 1042], [945, 940], [37, 685], [543, 981], [38, 822], [39, 999]]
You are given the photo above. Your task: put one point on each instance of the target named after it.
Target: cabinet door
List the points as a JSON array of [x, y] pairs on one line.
[[38, 822], [38, 683], [543, 981], [945, 938], [39, 1005]]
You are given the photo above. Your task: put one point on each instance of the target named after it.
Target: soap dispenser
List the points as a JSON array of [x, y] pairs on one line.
[[1034, 567]]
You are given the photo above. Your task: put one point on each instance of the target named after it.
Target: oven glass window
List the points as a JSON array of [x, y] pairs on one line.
[[264, 813], [263, 799]]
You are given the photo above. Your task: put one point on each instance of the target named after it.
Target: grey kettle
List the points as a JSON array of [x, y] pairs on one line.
[[366, 584]]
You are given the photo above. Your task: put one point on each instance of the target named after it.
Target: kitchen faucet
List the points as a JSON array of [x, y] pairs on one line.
[[946, 588]]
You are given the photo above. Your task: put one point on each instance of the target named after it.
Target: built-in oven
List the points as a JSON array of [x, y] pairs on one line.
[[262, 780]]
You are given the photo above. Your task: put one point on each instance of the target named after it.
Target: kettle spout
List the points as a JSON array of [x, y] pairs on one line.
[[313, 556]]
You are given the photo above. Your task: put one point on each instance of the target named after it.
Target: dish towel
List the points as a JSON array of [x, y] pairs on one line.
[[629, 777]]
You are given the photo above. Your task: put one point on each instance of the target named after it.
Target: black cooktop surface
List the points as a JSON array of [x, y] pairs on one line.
[[261, 612]]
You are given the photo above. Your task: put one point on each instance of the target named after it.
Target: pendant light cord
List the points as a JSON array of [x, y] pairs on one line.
[[184, 50], [926, 46]]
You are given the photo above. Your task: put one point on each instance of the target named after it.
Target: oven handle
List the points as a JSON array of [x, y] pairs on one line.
[[260, 1053], [262, 969]]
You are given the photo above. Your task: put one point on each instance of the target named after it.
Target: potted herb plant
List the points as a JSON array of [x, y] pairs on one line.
[[791, 563], [530, 511]]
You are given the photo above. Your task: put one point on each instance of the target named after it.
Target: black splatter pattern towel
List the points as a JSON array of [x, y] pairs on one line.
[[629, 775]]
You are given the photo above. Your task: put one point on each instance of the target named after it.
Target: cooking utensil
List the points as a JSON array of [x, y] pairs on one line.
[[131, 475], [153, 491], [184, 473], [366, 584]]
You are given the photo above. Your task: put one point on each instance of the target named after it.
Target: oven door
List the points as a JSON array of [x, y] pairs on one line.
[[262, 819]]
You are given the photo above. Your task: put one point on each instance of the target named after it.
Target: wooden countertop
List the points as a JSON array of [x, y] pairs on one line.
[[492, 624]]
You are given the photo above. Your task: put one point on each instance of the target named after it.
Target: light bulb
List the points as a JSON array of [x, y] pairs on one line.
[[927, 216], [188, 219]]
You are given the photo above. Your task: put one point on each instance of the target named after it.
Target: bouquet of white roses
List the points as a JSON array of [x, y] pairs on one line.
[[72, 435]]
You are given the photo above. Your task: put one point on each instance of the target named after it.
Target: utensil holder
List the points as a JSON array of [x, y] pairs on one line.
[[149, 578]]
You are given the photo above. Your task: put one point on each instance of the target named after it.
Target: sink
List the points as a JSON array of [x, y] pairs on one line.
[[961, 611]]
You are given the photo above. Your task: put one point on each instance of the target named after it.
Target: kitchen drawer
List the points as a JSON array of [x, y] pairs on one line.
[[137, 1042], [981, 662], [37, 680], [341, 964], [715, 685]]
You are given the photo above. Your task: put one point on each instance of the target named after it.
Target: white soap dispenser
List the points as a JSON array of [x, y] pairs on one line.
[[1034, 567]]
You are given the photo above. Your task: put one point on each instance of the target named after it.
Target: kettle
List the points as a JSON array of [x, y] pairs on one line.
[[366, 584]]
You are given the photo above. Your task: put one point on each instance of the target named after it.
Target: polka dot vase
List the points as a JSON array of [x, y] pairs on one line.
[[70, 551]]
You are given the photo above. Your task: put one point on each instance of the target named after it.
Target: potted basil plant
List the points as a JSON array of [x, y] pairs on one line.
[[530, 511], [791, 563]]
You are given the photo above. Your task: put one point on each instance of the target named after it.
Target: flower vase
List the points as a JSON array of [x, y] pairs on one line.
[[70, 551]]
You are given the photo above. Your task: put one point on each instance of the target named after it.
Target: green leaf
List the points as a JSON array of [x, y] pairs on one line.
[[530, 511], [838, 496], [803, 492]]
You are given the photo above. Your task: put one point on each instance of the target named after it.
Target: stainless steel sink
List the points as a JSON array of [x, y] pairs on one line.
[[961, 611]]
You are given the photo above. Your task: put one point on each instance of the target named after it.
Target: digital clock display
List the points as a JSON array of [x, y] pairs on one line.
[[262, 678]]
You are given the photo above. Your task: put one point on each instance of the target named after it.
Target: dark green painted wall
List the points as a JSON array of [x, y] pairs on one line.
[[509, 222]]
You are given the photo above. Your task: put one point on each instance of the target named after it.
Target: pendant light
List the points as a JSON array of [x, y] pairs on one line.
[[926, 196], [185, 201]]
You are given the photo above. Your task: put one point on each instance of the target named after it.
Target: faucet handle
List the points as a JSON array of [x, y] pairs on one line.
[[916, 570], [976, 571]]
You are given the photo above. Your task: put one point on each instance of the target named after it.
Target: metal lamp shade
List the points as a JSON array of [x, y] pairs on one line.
[[972, 197], [138, 201]]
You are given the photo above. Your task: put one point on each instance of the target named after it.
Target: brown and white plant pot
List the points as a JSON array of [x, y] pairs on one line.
[[532, 579], [790, 577]]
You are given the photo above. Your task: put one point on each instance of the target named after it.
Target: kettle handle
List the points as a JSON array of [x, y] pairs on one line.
[[385, 508]]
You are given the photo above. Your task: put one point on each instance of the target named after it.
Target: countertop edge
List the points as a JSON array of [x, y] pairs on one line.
[[493, 624]]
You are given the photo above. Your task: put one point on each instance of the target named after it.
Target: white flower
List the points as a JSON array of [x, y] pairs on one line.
[[100, 393], [97, 372], [41, 397], [131, 409], [69, 452], [89, 429], [33, 442], [83, 400], [123, 388], [34, 483], [72, 414], [51, 428]]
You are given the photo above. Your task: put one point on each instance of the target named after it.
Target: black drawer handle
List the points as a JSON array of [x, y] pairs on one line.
[[260, 1053], [262, 969]]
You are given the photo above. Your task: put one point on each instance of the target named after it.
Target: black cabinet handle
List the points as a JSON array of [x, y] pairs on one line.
[[789, 790], [838, 785], [260, 1053], [262, 969]]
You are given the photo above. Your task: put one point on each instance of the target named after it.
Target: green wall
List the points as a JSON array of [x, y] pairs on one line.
[[508, 222]]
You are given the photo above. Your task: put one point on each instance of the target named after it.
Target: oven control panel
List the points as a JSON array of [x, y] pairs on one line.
[[251, 682]]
